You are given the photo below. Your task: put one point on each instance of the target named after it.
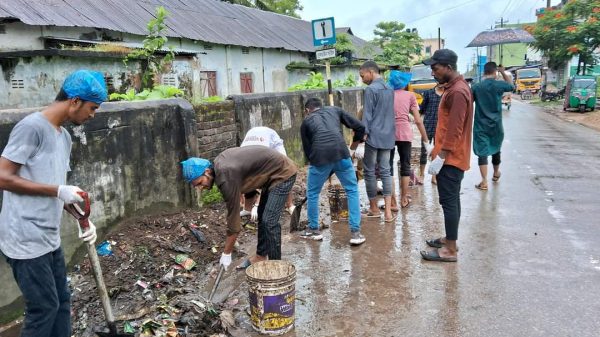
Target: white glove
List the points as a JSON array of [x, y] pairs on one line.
[[254, 213], [428, 148], [359, 153], [225, 260], [68, 194], [435, 166], [89, 235]]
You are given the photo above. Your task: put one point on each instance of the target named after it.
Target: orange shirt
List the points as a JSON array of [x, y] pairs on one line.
[[455, 124]]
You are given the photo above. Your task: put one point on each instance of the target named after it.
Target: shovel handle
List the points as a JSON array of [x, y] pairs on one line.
[[216, 284], [102, 292]]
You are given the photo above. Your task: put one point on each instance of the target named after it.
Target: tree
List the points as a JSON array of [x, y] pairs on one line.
[[343, 49], [285, 7], [572, 30], [399, 46], [152, 62]]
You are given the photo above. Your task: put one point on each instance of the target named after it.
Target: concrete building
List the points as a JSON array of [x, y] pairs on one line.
[[221, 49], [431, 45]]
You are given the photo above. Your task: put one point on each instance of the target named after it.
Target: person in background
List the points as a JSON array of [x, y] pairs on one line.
[[241, 170], [429, 109], [378, 118], [405, 103], [326, 150], [262, 135], [488, 132], [452, 150], [33, 176]]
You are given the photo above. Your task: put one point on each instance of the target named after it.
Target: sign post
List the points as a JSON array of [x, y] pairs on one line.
[[324, 35]]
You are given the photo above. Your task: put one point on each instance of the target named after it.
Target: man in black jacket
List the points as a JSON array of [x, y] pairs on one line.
[[324, 146]]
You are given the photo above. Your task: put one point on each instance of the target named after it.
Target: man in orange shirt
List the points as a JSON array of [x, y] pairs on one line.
[[452, 152]]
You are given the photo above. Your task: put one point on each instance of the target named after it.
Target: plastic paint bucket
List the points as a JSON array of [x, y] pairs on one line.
[[272, 292], [338, 203]]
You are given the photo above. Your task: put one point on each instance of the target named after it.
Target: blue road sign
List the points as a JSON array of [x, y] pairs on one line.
[[323, 32]]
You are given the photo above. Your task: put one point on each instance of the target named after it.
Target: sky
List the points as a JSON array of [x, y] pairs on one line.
[[460, 20]]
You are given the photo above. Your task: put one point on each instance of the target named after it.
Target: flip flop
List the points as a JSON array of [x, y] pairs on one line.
[[370, 214], [496, 178], [407, 204], [481, 187], [435, 256], [393, 219], [245, 264], [435, 243]]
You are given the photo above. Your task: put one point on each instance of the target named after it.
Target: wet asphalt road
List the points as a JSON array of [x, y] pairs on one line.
[[529, 259]]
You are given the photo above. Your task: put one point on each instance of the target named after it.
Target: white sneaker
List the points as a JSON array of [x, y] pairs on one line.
[[291, 209], [357, 238], [312, 234], [244, 213]]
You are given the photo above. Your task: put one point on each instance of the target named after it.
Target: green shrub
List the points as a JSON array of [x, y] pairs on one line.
[[212, 196], [158, 92]]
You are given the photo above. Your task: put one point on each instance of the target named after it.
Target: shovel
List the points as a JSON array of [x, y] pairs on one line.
[[82, 217]]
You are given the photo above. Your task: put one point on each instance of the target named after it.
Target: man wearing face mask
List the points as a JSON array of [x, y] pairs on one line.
[[452, 151], [33, 175], [241, 170]]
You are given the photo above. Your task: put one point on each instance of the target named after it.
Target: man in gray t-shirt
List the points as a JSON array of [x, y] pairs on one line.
[[379, 120], [33, 174]]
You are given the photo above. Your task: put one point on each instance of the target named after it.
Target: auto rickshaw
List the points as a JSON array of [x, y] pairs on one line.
[[580, 93]]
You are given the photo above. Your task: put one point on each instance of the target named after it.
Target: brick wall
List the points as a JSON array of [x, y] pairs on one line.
[[216, 128]]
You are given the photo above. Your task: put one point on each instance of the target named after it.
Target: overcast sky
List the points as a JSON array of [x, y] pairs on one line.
[[460, 20]]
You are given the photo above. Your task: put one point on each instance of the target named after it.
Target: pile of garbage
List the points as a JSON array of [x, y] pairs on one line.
[[156, 270]]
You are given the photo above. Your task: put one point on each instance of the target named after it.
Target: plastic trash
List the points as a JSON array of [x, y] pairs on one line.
[[184, 261], [104, 249]]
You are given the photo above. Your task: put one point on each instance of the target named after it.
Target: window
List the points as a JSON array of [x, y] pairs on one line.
[[208, 47], [245, 50], [170, 79], [17, 84], [2, 29], [208, 83], [246, 83], [428, 50]]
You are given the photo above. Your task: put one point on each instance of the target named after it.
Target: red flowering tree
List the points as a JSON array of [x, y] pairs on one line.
[[572, 30]]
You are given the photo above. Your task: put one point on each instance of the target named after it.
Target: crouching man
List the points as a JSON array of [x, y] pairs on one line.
[[242, 170]]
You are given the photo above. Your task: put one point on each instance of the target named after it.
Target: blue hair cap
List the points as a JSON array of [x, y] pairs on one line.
[[87, 85], [194, 167], [398, 79]]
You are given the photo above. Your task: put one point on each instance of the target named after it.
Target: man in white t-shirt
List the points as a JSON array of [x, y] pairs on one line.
[[264, 136], [33, 176]]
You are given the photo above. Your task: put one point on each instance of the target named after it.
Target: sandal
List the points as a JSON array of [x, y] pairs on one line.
[[481, 186], [409, 199], [496, 178], [435, 256], [393, 219], [370, 214], [245, 264]]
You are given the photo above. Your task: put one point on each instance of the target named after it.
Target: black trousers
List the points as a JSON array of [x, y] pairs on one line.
[[269, 211], [484, 160], [43, 282], [448, 184]]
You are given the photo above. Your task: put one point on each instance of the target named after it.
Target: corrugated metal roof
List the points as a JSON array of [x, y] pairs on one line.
[[204, 20]]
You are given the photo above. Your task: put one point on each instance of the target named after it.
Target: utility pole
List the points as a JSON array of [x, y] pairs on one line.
[[548, 3], [502, 22], [439, 38]]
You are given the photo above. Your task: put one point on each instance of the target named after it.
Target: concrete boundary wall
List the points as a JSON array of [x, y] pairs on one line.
[[127, 158]]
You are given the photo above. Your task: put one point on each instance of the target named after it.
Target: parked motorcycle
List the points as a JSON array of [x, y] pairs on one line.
[[552, 95]]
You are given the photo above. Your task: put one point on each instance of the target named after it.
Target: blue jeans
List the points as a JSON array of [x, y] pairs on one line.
[[43, 282], [345, 173], [380, 157]]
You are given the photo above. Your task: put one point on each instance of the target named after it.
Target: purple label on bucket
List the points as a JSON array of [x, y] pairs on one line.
[[280, 304]]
